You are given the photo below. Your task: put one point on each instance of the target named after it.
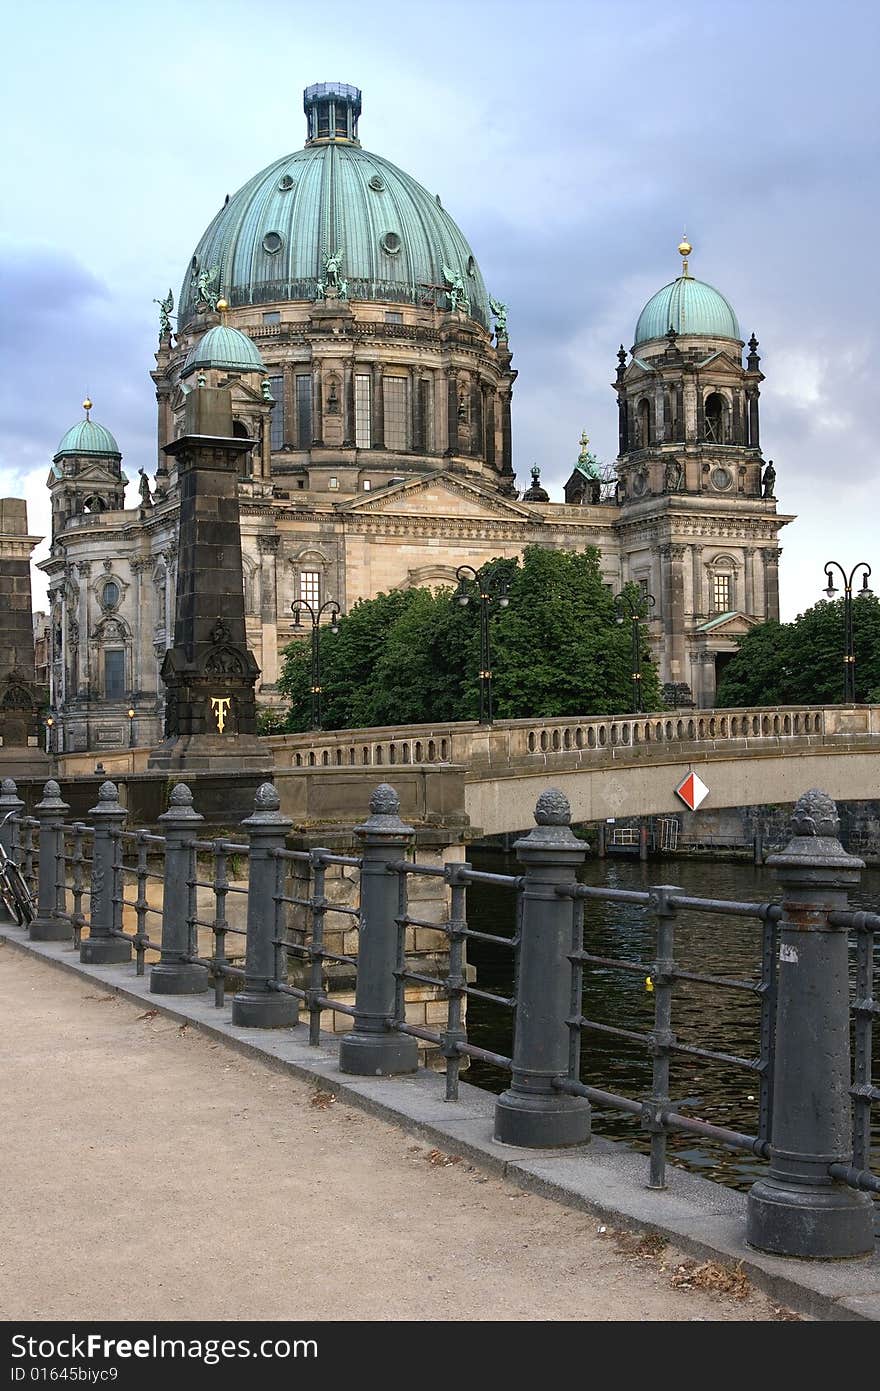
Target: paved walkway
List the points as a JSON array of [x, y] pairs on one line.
[[152, 1173]]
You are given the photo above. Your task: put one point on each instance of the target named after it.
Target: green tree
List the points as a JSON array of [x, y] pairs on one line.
[[802, 662], [413, 656]]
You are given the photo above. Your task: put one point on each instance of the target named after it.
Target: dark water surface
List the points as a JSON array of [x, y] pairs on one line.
[[710, 1017]]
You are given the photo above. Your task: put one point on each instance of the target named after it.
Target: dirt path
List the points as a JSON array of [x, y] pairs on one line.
[[148, 1172]]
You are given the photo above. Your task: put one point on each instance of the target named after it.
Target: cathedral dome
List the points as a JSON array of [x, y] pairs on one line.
[[268, 242], [88, 437], [225, 348], [689, 306]]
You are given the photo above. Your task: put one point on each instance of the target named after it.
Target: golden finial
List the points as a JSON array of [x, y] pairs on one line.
[[584, 443], [222, 306], [87, 406], [684, 250]]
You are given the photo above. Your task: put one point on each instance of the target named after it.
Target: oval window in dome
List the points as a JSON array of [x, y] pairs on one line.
[[272, 242], [390, 243], [377, 183], [471, 266], [285, 183]]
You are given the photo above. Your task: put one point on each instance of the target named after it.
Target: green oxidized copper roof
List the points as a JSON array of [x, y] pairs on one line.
[[690, 307], [88, 437], [269, 240], [224, 347]]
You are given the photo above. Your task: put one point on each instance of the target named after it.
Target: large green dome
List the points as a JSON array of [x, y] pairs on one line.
[[88, 437], [269, 240], [690, 307]]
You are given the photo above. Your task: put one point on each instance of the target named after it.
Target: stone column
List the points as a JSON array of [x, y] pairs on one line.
[[378, 408], [754, 424], [771, 556], [673, 610], [749, 580], [348, 403], [268, 547], [697, 580], [317, 402], [453, 424], [690, 409], [441, 426], [83, 571]]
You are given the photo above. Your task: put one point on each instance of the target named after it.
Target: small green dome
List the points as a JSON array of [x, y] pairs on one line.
[[269, 240], [689, 306], [226, 348], [88, 437]]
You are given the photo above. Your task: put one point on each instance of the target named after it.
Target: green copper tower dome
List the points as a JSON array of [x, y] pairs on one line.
[[269, 241], [690, 307], [226, 348], [87, 437]]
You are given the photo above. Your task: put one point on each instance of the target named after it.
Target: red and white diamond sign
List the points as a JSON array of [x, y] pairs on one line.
[[692, 791]]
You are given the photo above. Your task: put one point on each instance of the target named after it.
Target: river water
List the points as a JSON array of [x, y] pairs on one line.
[[720, 1019]]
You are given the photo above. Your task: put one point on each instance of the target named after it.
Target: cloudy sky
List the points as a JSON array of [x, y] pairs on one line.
[[573, 143]]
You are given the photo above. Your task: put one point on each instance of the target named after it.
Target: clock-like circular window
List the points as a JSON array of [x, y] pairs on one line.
[[390, 243], [721, 478], [273, 242]]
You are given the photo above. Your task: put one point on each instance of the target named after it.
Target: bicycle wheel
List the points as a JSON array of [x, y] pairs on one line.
[[19, 891], [9, 902]]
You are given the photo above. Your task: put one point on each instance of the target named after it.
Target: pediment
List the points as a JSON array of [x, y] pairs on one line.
[[727, 625], [440, 495]]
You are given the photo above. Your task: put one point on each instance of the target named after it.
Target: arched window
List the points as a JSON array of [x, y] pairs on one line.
[[716, 418]]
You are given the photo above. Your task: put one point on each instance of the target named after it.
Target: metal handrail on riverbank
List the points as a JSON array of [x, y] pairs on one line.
[[813, 1202]]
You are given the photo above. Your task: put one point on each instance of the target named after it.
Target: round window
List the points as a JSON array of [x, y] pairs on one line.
[[390, 243], [639, 484], [110, 594], [377, 183], [721, 478], [272, 242], [285, 183]]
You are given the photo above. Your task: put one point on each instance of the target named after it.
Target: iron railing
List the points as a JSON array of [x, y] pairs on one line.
[[285, 956]]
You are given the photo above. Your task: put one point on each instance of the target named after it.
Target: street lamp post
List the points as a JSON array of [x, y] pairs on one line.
[[131, 714], [492, 589], [332, 607], [634, 609], [49, 726], [849, 656]]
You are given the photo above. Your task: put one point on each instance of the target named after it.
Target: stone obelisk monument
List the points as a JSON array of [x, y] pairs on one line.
[[209, 673]]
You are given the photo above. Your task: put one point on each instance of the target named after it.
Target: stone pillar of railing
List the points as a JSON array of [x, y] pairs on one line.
[[532, 1111], [51, 923], [372, 1049], [798, 1210], [101, 947], [259, 1005], [173, 974], [11, 806]]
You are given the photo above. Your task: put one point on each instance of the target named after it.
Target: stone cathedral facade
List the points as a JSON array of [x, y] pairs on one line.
[[371, 375]]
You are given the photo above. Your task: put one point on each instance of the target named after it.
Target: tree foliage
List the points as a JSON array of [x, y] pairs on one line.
[[412, 656], [802, 662]]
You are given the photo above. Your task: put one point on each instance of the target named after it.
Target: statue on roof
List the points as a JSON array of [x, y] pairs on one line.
[[144, 489], [769, 480], [674, 476], [165, 307], [499, 311], [587, 462], [458, 298], [206, 286], [332, 272]]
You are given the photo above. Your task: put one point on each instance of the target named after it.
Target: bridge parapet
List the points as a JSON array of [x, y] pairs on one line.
[[526, 743]]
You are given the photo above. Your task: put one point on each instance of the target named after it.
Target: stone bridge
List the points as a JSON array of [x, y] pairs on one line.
[[613, 766]]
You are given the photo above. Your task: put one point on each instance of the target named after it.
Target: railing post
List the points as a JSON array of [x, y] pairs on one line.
[[101, 947], [173, 974], [799, 1210], [9, 802], [532, 1111], [259, 1005], [372, 1049], [51, 923]]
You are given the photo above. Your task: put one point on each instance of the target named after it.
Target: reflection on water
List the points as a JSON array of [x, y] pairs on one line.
[[721, 1019]]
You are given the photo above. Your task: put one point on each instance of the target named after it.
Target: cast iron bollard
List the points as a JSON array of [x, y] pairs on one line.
[[798, 1210], [51, 923], [259, 1005], [532, 1112], [9, 802], [101, 948], [371, 1049], [173, 974]]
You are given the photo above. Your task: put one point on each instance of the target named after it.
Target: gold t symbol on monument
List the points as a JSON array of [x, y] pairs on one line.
[[220, 706]]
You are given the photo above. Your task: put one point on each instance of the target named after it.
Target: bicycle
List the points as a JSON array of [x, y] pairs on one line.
[[14, 892]]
